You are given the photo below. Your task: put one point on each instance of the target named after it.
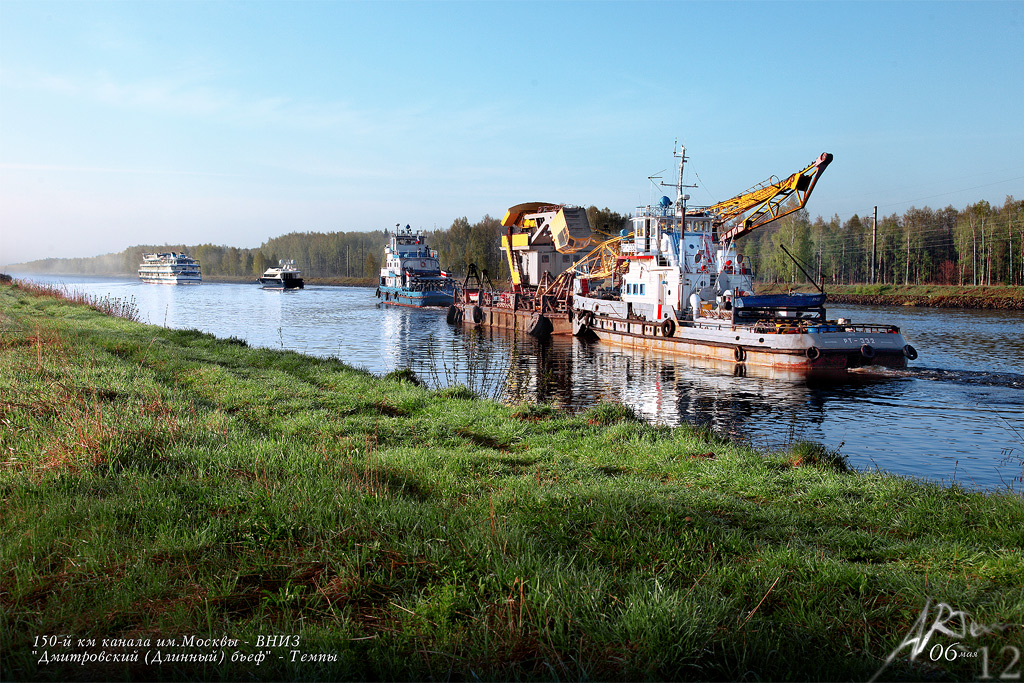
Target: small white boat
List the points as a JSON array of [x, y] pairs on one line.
[[284, 276]]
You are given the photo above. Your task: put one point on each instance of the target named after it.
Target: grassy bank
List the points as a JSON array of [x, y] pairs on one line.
[[936, 296], [162, 485]]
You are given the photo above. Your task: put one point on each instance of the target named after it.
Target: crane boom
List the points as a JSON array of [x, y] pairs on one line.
[[763, 203]]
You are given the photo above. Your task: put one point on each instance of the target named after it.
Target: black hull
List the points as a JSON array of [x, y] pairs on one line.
[[271, 283]]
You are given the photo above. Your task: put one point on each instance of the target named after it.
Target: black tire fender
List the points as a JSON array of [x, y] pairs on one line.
[[668, 327], [453, 314], [812, 353], [740, 354], [539, 326], [910, 352], [867, 351], [478, 315]]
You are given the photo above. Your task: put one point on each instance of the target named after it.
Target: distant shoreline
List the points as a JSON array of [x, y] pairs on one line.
[[993, 297], [1002, 297]]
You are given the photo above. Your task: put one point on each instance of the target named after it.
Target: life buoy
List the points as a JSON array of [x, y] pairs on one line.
[[740, 354], [910, 352], [812, 353], [668, 327], [478, 315], [867, 351]]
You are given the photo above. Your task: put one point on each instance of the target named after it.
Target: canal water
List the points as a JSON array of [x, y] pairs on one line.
[[955, 415]]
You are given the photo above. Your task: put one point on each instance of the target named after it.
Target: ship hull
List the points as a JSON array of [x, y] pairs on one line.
[[272, 283], [398, 296], [508, 319], [830, 349], [172, 280]]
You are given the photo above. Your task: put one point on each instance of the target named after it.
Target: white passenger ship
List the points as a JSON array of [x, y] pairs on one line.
[[170, 269]]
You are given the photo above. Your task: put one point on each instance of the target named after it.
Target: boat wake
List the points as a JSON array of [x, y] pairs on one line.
[[1010, 380]]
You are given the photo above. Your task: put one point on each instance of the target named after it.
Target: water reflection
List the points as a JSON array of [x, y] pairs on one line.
[[957, 412]]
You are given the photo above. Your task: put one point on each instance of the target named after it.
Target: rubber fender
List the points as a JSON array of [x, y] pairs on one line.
[[539, 326], [867, 351], [812, 353], [453, 314], [579, 325], [478, 315], [910, 352], [668, 327], [740, 354]]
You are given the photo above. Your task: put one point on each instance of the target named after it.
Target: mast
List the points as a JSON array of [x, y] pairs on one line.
[[681, 197]]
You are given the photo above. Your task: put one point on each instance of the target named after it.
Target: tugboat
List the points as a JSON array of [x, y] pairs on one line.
[[412, 275], [676, 283], [284, 277]]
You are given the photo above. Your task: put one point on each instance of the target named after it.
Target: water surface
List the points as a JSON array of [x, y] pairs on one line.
[[956, 414]]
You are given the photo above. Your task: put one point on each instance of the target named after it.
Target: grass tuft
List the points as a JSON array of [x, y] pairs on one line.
[[809, 453]]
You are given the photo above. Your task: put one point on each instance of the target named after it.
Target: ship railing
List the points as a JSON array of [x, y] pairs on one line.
[[777, 326]]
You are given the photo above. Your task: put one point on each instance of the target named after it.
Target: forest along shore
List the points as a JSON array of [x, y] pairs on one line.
[[161, 486], [929, 296]]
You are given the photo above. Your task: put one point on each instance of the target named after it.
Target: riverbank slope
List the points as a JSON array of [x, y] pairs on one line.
[[163, 484], [934, 296]]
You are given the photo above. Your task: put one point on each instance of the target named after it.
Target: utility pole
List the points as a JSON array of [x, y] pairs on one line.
[[874, 238]]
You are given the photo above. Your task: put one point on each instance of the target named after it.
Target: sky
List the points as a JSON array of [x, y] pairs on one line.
[[190, 121]]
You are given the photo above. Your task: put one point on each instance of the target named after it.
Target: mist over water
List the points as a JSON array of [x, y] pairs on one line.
[[957, 413]]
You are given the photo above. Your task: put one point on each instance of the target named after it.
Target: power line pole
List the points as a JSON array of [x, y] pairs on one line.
[[874, 238]]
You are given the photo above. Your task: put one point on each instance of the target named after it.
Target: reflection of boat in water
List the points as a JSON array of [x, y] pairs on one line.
[[676, 283], [284, 276], [412, 275]]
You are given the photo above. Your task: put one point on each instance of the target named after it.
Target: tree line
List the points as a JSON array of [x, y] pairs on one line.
[[979, 245], [352, 255]]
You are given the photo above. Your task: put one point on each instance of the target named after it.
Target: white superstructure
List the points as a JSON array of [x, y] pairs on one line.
[[170, 268]]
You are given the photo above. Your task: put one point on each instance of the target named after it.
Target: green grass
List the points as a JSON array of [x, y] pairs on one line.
[[165, 484], [986, 296]]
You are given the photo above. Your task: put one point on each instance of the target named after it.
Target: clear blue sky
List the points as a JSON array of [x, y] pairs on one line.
[[231, 122]]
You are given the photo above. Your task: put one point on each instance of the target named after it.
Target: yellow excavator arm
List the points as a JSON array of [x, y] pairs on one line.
[[763, 203]]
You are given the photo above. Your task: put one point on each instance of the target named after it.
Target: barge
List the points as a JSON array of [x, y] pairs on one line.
[[543, 241]]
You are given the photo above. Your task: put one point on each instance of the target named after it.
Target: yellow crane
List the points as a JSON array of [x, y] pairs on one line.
[[763, 203]]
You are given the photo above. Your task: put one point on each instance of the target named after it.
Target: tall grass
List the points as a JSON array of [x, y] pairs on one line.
[[126, 308], [164, 484]]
